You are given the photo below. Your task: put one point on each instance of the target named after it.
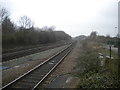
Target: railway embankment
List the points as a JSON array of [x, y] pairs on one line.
[[95, 72]]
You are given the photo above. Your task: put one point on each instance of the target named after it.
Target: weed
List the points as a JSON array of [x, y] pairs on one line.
[[90, 74]]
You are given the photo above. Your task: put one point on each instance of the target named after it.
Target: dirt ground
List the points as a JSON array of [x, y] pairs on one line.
[[66, 67]]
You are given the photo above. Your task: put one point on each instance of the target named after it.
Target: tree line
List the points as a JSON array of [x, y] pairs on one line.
[[104, 39], [26, 34]]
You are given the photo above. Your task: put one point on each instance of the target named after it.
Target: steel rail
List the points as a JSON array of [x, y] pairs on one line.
[[38, 67], [50, 71], [17, 54], [29, 47]]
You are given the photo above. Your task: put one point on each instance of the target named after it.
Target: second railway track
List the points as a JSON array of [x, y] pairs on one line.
[[33, 78], [21, 53]]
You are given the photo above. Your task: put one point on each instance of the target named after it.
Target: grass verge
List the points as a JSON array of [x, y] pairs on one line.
[[90, 73]]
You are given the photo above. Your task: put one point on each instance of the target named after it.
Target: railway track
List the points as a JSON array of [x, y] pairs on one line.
[[17, 54], [33, 78], [29, 47]]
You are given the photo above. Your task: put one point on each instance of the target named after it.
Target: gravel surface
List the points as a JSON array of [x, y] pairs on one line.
[[22, 65], [62, 76], [36, 56], [58, 82]]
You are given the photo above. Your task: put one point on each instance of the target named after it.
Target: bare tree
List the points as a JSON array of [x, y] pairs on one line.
[[3, 14], [25, 22], [7, 26], [45, 28], [108, 35], [52, 28], [93, 34]]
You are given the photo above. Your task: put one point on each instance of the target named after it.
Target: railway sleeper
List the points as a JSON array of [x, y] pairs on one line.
[[24, 85]]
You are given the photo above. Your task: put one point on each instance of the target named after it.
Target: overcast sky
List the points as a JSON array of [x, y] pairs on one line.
[[75, 17]]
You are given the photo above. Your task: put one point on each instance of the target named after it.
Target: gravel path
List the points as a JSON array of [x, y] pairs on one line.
[[33, 57], [19, 66]]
